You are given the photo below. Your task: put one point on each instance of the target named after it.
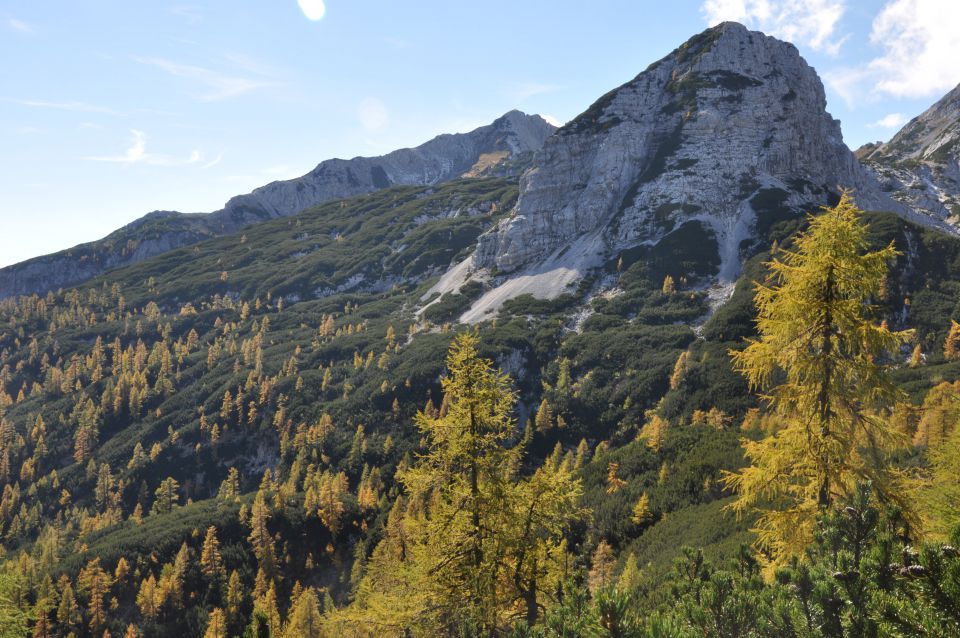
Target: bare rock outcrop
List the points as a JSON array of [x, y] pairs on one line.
[[729, 132]]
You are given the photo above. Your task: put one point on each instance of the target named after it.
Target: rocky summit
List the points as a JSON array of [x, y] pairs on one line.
[[503, 148], [920, 166], [726, 134]]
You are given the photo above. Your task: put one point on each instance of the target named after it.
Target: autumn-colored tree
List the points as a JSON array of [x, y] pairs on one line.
[[95, 583], [211, 562], [614, 482], [216, 624], [602, 564], [940, 493], [541, 509], [123, 568], [679, 369], [472, 540], [266, 606], [642, 514], [148, 597], [916, 357], [465, 477], [235, 597], [668, 285], [230, 487], [940, 415], [68, 613], [304, 620], [260, 537], [821, 363], [544, 420], [654, 432], [951, 347]]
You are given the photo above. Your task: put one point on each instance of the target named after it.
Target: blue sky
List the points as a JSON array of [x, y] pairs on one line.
[[111, 109]]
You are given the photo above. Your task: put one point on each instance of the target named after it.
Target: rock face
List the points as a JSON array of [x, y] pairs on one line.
[[504, 147], [729, 132], [920, 166]]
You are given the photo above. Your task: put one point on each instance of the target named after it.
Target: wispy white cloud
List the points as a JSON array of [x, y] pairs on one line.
[[313, 9], [216, 160], [20, 25], [811, 23], [191, 15], [522, 91], [137, 153], [372, 114], [552, 120], [848, 83], [919, 45], [893, 120], [218, 86], [70, 105]]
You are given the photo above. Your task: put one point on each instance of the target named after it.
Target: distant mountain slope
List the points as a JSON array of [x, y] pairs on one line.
[[920, 166], [721, 138], [504, 147]]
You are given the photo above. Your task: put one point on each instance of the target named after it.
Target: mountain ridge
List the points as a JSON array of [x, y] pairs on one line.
[[920, 165], [504, 147]]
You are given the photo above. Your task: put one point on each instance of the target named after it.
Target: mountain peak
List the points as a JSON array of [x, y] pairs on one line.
[[719, 139], [920, 165], [932, 135], [504, 147]]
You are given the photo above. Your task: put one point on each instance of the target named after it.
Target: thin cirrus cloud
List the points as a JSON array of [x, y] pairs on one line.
[[372, 114], [812, 23], [216, 85], [20, 25], [137, 153], [191, 15], [523, 91], [70, 105]]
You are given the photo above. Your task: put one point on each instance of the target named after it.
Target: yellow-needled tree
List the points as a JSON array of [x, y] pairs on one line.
[[472, 544], [463, 481], [820, 361]]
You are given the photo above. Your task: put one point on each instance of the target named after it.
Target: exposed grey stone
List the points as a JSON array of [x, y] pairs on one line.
[[696, 136], [729, 128], [920, 165]]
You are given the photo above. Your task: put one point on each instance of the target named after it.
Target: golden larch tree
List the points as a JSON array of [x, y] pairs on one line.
[[821, 363]]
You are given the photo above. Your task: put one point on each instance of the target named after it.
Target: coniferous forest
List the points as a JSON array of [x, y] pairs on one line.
[[341, 422], [234, 465]]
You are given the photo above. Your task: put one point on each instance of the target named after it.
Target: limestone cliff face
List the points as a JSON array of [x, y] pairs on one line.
[[727, 130], [920, 166], [504, 147]]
